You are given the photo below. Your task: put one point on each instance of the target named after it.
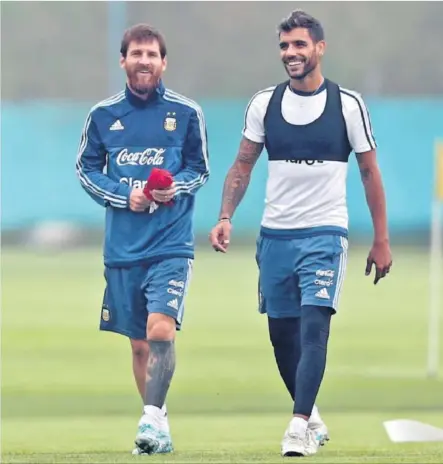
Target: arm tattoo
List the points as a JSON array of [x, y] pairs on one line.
[[366, 174], [249, 152], [239, 175]]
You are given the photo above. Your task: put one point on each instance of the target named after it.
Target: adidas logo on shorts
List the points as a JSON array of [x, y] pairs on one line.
[[323, 293], [173, 304]]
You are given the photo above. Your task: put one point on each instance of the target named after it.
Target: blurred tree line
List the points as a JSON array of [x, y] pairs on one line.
[[59, 50]]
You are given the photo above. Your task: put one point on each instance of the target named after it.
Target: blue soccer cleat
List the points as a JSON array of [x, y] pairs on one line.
[[153, 436]]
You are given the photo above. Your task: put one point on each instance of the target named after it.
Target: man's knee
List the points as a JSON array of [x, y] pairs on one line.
[[140, 350], [315, 325], [161, 327], [283, 331]]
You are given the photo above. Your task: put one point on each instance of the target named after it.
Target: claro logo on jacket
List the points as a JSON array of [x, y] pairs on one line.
[[148, 157]]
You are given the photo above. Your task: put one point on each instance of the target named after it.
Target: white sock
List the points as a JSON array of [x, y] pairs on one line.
[[153, 411], [163, 410]]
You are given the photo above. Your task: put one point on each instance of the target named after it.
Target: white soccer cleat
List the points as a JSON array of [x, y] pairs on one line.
[[320, 432], [317, 426], [311, 443], [293, 445], [294, 439]]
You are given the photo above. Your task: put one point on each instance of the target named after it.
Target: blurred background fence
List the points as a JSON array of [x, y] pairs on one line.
[[60, 58]]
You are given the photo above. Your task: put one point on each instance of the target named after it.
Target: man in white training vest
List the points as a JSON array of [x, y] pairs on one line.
[[309, 126]]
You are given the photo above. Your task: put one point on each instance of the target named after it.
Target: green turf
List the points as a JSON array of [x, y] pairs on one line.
[[68, 393], [207, 438]]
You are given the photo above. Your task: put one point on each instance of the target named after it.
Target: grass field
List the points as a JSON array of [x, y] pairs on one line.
[[68, 393]]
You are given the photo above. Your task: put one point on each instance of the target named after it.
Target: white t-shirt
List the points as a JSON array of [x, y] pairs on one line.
[[301, 195]]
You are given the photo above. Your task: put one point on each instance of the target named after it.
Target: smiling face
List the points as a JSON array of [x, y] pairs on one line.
[[299, 53], [144, 65]]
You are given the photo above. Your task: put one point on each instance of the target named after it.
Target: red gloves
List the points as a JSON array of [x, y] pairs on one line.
[[158, 179]]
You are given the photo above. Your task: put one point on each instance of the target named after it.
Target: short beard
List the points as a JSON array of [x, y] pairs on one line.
[[309, 67], [143, 90], [300, 77]]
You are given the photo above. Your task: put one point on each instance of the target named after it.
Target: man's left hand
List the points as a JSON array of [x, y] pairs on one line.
[[164, 195], [380, 256]]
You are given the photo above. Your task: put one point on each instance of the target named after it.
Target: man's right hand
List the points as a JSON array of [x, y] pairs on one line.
[[137, 200], [220, 235]]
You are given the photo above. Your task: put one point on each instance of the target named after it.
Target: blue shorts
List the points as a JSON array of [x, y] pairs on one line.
[[134, 292], [300, 271]]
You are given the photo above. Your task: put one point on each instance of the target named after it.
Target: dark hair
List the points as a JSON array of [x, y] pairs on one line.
[[142, 33], [299, 18]]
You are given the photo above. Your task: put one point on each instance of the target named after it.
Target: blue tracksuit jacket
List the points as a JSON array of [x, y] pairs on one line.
[[124, 137]]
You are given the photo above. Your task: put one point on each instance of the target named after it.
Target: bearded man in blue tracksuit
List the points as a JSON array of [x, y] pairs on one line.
[[149, 243]]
